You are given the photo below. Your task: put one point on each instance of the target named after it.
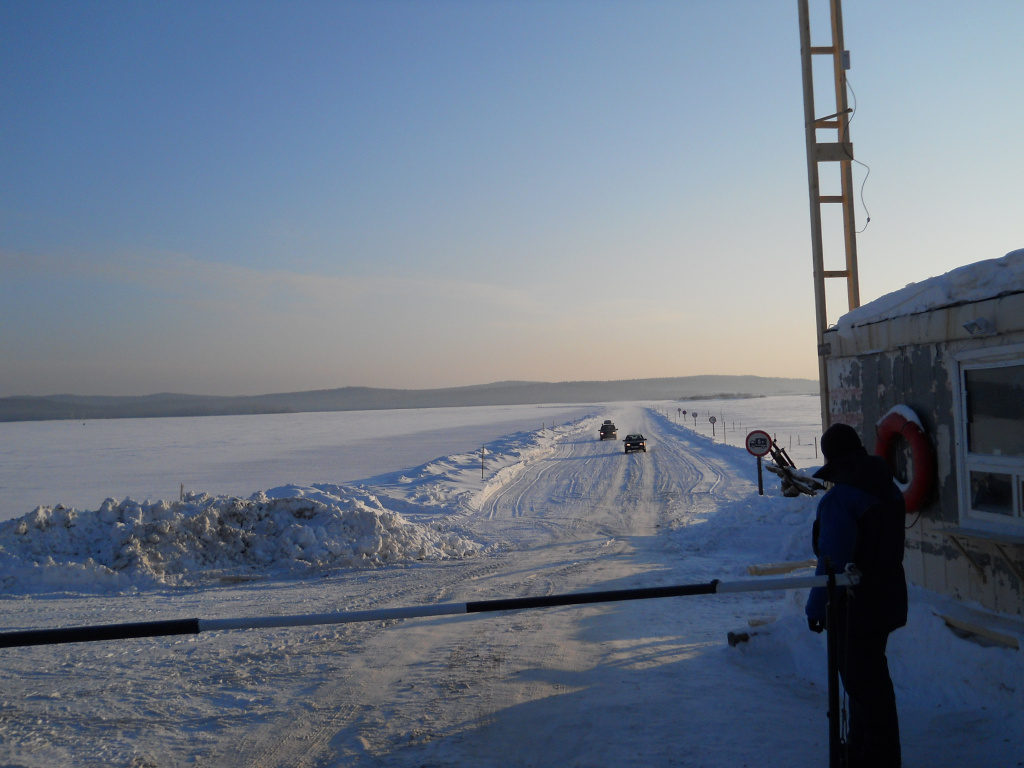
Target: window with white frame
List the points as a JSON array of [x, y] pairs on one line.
[[992, 436]]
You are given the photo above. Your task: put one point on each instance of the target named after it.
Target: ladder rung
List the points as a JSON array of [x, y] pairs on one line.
[[826, 123], [836, 273], [821, 49], [831, 199]]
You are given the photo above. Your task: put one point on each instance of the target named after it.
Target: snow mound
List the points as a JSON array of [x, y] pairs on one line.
[[284, 531], [463, 482]]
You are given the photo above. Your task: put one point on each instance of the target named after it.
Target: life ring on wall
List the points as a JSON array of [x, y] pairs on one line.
[[901, 421]]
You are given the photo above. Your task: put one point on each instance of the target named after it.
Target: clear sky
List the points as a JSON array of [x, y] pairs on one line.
[[247, 197]]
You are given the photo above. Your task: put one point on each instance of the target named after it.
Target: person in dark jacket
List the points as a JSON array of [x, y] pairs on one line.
[[860, 521]]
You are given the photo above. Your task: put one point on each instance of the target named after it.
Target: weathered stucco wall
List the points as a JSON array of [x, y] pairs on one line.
[[864, 388]]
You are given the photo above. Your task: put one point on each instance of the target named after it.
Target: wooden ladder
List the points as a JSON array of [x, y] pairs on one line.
[[838, 151]]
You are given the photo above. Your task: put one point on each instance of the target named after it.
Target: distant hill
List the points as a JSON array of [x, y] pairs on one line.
[[368, 398]]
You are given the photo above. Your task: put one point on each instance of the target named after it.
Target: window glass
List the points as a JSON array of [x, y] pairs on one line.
[[995, 410], [992, 492]]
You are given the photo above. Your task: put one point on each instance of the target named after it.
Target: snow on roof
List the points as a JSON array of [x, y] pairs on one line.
[[972, 282]]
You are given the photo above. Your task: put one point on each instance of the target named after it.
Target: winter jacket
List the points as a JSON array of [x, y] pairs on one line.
[[860, 520]]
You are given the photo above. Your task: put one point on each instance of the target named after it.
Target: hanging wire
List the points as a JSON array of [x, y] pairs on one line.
[[867, 168]]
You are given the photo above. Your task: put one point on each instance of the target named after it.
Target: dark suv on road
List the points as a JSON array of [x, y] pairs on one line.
[[635, 443], [608, 430]]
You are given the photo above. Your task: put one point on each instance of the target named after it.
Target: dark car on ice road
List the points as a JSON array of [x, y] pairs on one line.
[[635, 443], [608, 430]]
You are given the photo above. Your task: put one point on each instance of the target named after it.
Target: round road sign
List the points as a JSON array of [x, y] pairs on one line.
[[758, 442]]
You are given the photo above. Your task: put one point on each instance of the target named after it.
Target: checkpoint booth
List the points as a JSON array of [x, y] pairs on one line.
[[932, 377]]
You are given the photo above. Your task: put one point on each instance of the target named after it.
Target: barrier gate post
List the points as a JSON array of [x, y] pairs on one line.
[[835, 744]]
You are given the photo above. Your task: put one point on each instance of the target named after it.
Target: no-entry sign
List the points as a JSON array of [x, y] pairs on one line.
[[758, 442]]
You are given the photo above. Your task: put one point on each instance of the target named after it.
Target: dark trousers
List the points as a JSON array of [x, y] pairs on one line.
[[874, 737]]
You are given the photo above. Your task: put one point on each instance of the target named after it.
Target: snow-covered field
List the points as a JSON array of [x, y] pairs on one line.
[[284, 515]]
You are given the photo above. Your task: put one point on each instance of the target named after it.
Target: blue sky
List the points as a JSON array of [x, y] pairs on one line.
[[246, 197]]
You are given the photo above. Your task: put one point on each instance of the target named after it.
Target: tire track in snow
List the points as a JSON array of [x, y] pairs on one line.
[[303, 735]]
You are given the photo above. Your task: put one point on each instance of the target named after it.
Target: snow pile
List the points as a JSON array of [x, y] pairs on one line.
[[973, 282], [462, 482], [287, 530]]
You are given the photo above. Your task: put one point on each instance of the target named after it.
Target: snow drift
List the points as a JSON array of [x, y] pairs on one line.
[[287, 530]]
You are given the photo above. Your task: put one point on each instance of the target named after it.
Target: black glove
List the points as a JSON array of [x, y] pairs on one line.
[[815, 625]]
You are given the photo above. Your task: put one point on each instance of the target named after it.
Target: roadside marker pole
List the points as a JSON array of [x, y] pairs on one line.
[[758, 445]]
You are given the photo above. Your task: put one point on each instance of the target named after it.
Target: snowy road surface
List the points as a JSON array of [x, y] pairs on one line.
[[643, 683], [469, 692]]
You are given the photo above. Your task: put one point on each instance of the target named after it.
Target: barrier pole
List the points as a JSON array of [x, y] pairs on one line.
[[835, 745], [195, 626]]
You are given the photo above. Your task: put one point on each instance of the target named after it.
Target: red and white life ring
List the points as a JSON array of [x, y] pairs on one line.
[[902, 421]]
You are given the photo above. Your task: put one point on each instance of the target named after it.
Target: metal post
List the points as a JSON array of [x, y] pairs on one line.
[[832, 642]]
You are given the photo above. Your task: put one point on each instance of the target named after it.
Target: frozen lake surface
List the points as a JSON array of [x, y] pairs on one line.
[[79, 464]]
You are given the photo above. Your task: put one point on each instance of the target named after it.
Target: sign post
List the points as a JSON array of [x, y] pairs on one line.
[[758, 444], [712, 420]]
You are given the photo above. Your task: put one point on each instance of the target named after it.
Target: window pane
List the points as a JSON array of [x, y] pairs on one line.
[[992, 492], [995, 410]]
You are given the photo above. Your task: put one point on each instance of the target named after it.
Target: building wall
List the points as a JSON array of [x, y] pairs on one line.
[[912, 361]]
